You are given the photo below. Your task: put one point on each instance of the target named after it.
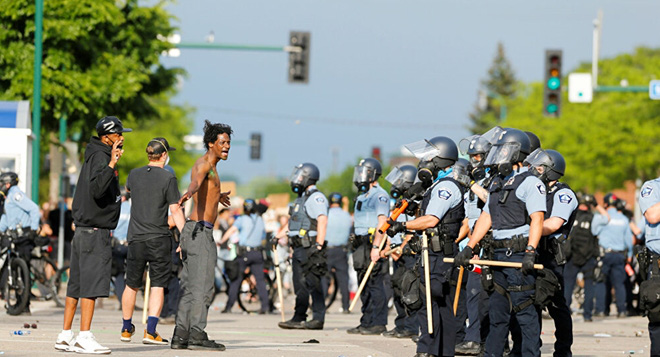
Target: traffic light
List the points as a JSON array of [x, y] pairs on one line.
[[375, 152], [299, 60], [552, 84], [255, 146]]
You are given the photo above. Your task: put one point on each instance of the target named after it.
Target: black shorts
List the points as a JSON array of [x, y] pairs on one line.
[[91, 261], [155, 251]]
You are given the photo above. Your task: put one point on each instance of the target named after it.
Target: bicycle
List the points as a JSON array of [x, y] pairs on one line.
[[16, 287], [332, 288], [46, 275]]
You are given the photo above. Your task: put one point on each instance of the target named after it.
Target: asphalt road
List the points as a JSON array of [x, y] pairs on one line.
[[258, 335]]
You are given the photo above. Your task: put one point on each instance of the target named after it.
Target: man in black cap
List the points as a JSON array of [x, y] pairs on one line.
[[96, 205], [154, 190]]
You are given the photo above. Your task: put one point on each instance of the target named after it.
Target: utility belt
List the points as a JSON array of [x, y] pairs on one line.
[[515, 244], [242, 250], [356, 240], [649, 289], [440, 242], [304, 241], [554, 247], [610, 250]]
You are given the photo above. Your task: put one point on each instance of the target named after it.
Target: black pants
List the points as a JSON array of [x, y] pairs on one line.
[[338, 261], [255, 261], [403, 322], [306, 285], [373, 298], [559, 309]]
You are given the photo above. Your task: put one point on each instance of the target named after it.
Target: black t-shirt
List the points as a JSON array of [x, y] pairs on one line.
[[54, 222], [153, 190]]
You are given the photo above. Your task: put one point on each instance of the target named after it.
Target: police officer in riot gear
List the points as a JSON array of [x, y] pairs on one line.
[[340, 224], [583, 254], [307, 229], [251, 232], [515, 210], [549, 166], [442, 213], [372, 208], [405, 325], [649, 204], [615, 239]]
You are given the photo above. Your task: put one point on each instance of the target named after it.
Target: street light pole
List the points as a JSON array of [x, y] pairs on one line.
[[36, 96]]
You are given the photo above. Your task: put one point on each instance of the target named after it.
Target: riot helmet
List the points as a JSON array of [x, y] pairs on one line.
[[586, 199], [461, 172], [434, 155], [366, 171], [303, 176], [476, 147], [512, 147], [335, 198], [10, 178], [610, 199], [249, 206], [534, 141], [547, 165], [401, 179]]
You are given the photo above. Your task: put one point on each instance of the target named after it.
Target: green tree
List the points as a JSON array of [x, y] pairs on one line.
[[609, 141], [497, 89]]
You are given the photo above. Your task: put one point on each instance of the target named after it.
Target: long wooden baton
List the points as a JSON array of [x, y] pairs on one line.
[[395, 214], [458, 288], [278, 277], [147, 289], [427, 285], [494, 263]]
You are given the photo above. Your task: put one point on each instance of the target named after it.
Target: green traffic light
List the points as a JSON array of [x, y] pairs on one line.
[[551, 108], [553, 83]]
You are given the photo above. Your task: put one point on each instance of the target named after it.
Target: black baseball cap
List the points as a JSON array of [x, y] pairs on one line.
[[110, 125], [159, 145]]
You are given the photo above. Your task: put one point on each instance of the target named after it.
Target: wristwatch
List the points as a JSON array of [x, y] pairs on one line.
[[375, 247], [318, 246], [529, 248]]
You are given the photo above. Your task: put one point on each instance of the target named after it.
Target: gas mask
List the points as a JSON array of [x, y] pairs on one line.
[[426, 172]]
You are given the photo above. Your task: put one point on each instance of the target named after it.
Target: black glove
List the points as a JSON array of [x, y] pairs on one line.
[[395, 227], [411, 210], [464, 256], [528, 262]]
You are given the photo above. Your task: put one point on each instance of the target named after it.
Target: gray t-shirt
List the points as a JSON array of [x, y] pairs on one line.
[[153, 190]]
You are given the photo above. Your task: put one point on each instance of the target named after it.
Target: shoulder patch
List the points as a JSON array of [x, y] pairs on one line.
[[18, 197], [541, 188], [444, 193], [646, 191], [382, 199], [510, 182], [565, 198], [320, 199]]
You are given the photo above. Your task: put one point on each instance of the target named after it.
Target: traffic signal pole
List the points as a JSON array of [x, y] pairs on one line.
[[235, 47]]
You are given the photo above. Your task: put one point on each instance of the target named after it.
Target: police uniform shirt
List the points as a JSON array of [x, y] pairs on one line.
[[315, 206], [649, 195], [19, 211], [368, 206], [398, 238], [445, 195], [251, 230], [121, 232], [615, 234], [564, 203], [532, 192], [339, 227]]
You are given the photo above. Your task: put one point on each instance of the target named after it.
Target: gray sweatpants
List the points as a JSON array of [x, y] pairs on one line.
[[197, 277]]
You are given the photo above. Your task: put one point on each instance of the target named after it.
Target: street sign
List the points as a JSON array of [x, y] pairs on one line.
[[580, 88], [654, 89]]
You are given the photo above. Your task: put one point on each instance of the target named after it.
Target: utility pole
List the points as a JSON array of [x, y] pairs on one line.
[[36, 96], [598, 27]]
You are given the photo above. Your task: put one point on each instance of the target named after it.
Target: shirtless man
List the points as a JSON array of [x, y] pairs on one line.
[[197, 246]]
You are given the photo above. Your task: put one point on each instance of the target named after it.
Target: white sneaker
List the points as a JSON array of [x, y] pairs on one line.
[[65, 341], [86, 343]]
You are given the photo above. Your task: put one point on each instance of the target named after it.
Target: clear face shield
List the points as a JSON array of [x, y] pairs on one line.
[[298, 180], [362, 177], [399, 183], [502, 154], [461, 174], [423, 150], [493, 135], [540, 162]]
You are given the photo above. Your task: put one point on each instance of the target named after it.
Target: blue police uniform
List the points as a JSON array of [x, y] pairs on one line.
[[473, 301], [444, 200], [304, 213], [20, 211], [368, 207], [120, 251], [562, 203], [649, 196], [403, 323], [615, 237], [251, 232], [510, 203], [339, 228]]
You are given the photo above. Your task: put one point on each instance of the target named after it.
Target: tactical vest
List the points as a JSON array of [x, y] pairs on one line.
[[452, 220], [550, 201], [507, 211], [584, 245], [299, 219]]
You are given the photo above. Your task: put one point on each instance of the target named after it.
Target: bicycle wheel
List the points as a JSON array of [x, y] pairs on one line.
[[331, 292], [248, 297], [43, 270], [17, 288], [59, 284]]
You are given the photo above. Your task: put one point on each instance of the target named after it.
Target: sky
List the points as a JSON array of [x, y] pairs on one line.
[[382, 72]]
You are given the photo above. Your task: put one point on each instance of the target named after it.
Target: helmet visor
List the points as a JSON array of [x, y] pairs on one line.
[[460, 174], [363, 174], [422, 149], [538, 158], [502, 154], [398, 179], [493, 135], [474, 144], [298, 176]]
